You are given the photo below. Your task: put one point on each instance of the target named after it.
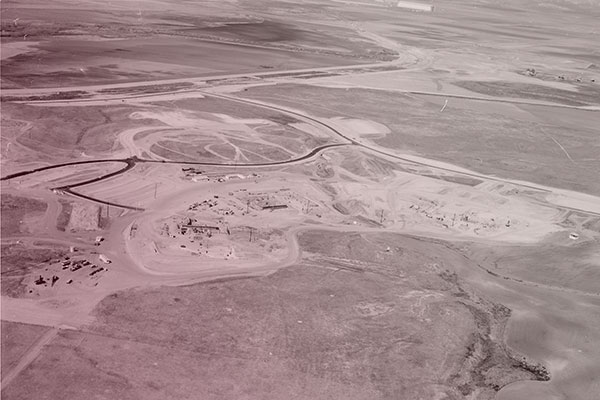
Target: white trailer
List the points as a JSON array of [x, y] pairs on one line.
[[415, 6], [104, 259]]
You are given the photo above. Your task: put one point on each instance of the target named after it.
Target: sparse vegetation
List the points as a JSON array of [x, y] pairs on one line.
[[14, 209]]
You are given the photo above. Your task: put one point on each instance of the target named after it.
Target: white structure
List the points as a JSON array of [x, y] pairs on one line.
[[415, 6], [104, 259], [574, 236]]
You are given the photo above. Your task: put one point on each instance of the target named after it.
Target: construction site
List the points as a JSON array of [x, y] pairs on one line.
[[78, 272], [237, 222], [337, 199]]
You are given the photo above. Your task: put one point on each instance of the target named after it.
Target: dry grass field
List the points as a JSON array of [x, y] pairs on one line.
[[15, 210], [506, 140], [162, 40], [372, 324], [16, 341]]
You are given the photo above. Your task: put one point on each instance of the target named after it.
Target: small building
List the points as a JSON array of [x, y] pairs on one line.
[[574, 236], [235, 176], [275, 207], [410, 5], [197, 228]]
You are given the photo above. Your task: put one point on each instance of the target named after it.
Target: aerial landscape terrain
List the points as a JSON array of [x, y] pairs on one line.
[[320, 199]]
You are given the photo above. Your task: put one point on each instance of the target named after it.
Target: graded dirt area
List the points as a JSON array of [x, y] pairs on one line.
[[320, 200]]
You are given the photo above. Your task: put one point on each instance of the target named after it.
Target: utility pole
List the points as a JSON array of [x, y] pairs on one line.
[[155, 187], [250, 240], [381, 216]]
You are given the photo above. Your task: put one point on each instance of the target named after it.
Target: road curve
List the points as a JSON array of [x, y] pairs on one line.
[[309, 119]]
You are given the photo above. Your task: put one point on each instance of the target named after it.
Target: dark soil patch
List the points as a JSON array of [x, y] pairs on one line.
[[14, 208], [19, 261]]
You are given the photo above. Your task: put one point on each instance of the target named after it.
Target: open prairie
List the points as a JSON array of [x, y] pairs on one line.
[[309, 200]]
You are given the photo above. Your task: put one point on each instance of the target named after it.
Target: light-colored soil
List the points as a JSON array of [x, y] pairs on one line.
[[84, 216]]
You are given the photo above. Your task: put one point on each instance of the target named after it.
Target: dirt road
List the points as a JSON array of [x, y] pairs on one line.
[[32, 353]]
